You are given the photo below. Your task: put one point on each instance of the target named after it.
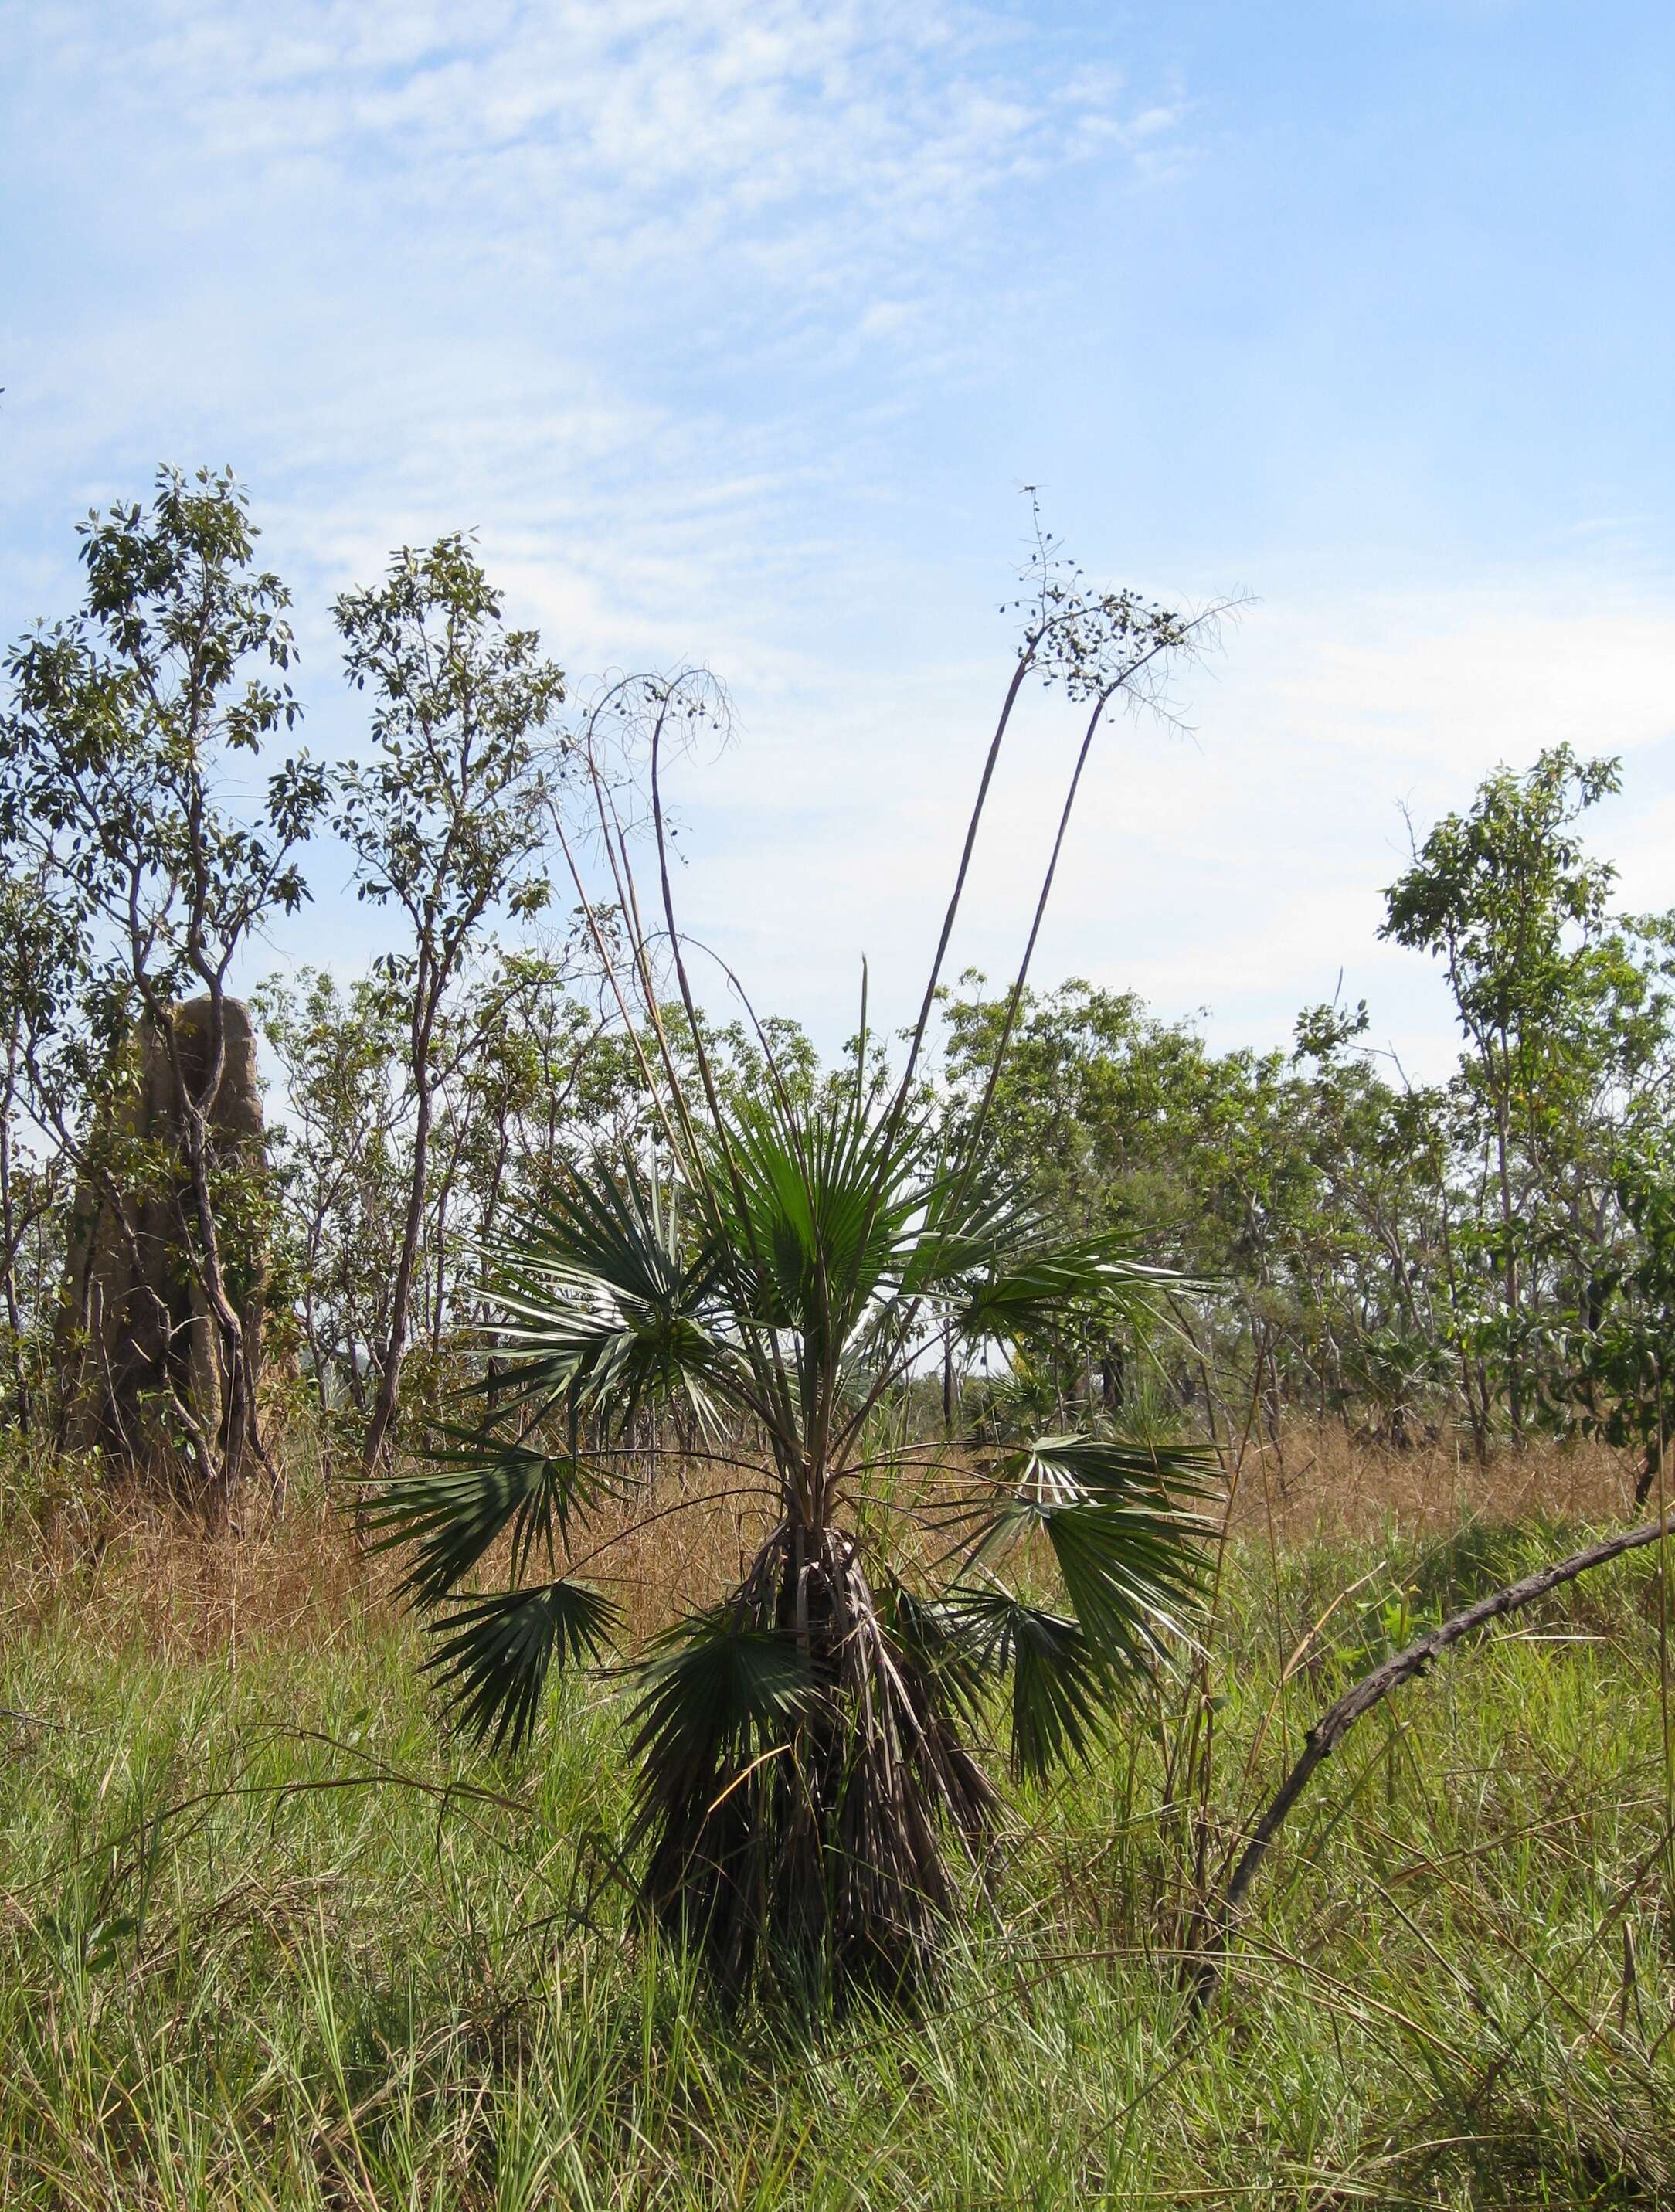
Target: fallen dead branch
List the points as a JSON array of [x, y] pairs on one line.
[[1335, 1724]]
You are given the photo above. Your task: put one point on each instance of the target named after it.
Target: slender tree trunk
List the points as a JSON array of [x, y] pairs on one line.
[[388, 1398], [357, 1387], [1112, 1377], [1477, 1415], [439, 1313], [317, 1354], [1508, 1266]]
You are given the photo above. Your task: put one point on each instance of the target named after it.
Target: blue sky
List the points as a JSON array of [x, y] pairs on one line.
[[734, 329]]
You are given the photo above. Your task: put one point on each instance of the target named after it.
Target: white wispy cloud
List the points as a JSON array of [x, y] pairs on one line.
[[666, 297], [809, 140], [588, 274]]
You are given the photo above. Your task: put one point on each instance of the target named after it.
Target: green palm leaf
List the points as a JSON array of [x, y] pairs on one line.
[[603, 1308], [1131, 1574], [1131, 1562], [1129, 1556], [1031, 1289], [815, 1208], [497, 1651], [1114, 1469], [974, 1223], [455, 1507], [710, 1688], [1062, 1688]]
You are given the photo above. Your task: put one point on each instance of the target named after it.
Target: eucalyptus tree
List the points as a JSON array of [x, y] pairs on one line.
[[446, 821], [132, 730], [1289, 1178], [1623, 1375], [1566, 1014], [778, 1266]]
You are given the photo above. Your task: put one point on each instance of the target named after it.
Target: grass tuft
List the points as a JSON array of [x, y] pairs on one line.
[[270, 1937]]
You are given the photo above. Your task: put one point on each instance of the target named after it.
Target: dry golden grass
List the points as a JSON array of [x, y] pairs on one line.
[[154, 1580], [1319, 1481], [136, 1576]]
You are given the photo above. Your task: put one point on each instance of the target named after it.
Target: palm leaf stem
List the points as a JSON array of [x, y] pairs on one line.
[[1014, 998], [615, 839], [899, 1104], [1102, 701], [1026, 659]]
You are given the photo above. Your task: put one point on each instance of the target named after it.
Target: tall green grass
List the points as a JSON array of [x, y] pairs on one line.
[[268, 1938]]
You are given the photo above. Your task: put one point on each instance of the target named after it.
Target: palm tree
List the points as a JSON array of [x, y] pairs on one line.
[[778, 1270]]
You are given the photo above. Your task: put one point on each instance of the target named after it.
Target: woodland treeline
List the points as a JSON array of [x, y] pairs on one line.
[[1493, 1255]]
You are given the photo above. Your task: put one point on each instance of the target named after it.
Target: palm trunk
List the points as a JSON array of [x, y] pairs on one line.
[[820, 1861]]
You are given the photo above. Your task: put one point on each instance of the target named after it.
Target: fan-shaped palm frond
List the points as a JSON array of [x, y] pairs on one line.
[[605, 1308], [1131, 1576], [495, 1652], [470, 1490], [1028, 1288], [710, 1689], [1062, 1686], [815, 1209], [1057, 1472], [1128, 1558], [974, 1221], [1113, 1469]]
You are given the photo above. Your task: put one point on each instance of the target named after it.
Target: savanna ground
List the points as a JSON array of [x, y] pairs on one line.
[[269, 1937]]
